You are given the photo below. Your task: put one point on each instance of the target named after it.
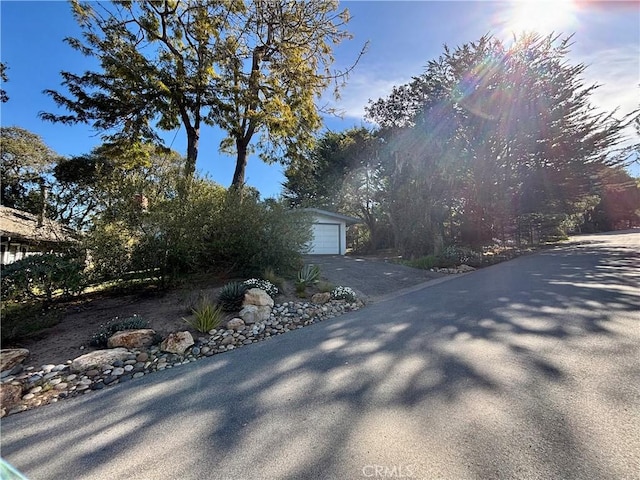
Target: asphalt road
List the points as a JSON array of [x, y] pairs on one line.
[[528, 369], [370, 277]]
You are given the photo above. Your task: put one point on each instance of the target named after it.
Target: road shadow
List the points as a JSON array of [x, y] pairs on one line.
[[476, 375]]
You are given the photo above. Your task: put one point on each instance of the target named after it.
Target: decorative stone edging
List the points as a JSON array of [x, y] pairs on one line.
[[54, 382]]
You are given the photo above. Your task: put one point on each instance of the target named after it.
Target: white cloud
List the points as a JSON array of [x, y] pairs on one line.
[[617, 70]]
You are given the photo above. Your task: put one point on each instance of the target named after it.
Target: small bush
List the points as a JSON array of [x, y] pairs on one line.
[[231, 296], [308, 275], [265, 285], [41, 276], [206, 317], [22, 319], [455, 255], [100, 338], [301, 290], [270, 275], [325, 287], [344, 293], [425, 263], [278, 235]]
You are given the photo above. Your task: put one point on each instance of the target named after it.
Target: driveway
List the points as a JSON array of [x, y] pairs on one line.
[[524, 370], [370, 277]]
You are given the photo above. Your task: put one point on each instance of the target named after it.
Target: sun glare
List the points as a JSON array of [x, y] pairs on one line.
[[540, 16]]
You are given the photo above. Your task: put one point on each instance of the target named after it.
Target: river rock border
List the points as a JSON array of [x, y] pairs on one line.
[[51, 383]]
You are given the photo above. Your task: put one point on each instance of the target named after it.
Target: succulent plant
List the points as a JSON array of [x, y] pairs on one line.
[[231, 296], [308, 275]]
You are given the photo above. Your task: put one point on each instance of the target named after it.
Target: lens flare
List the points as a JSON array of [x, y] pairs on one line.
[[539, 16]]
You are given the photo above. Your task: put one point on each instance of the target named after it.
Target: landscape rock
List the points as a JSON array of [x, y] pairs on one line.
[[256, 296], [254, 313], [177, 342], [10, 395], [4, 375], [465, 268], [99, 359], [142, 357], [321, 298], [10, 357], [235, 324], [132, 339], [51, 382]]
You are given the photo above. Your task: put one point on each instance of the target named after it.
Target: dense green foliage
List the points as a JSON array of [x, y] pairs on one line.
[[618, 206], [138, 224], [26, 160], [42, 276], [248, 236], [207, 229], [492, 142], [246, 67], [20, 319], [345, 173]]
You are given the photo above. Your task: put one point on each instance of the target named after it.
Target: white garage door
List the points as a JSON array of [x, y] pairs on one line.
[[326, 239]]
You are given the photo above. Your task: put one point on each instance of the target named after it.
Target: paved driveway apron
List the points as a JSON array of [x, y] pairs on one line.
[[524, 370], [370, 277]]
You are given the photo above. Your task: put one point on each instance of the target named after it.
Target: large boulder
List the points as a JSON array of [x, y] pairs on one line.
[[11, 357], [99, 359], [258, 297], [132, 339], [253, 313], [177, 342], [10, 396], [321, 298]]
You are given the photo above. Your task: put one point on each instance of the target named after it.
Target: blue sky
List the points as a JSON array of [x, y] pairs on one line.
[[403, 37]]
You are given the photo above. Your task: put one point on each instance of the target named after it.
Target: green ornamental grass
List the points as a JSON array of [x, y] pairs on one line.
[[206, 317]]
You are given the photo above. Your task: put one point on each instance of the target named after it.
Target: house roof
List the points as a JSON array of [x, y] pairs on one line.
[[338, 216], [21, 225]]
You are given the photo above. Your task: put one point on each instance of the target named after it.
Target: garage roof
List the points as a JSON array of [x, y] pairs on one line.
[[348, 220]]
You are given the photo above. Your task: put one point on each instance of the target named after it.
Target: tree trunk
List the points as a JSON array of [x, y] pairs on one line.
[[193, 140], [241, 165]]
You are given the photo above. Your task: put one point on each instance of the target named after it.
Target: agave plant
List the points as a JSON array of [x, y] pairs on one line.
[[308, 275], [231, 296]]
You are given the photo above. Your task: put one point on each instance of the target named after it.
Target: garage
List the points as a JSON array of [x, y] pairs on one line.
[[329, 232], [326, 239]]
